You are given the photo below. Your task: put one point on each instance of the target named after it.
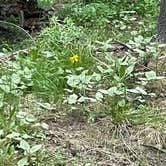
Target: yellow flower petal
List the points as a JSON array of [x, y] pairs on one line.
[[74, 58]]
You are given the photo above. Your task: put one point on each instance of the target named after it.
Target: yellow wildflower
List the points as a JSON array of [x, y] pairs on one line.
[[74, 58]]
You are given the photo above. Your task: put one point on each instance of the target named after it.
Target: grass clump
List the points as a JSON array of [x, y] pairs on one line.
[[57, 45]]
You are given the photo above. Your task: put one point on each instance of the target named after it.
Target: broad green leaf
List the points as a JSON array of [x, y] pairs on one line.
[[122, 70], [97, 76], [44, 126], [99, 96], [123, 27], [161, 45], [82, 99], [23, 161], [122, 103], [106, 92], [1, 132], [26, 136], [30, 118], [72, 99], [129, 70], [100, 69], [35, 148], [151, 75], [60, 71], [92, 99], [48, 54], [85, 78], [88, 164], [139, 39], [5, 88], [15, 78], [13, 135], [2, 54], [115, 91], [79, 68], [137, 90], [141, 53], [132, 91], [141, 90], [73, 81], [24, 145], [112, 90]]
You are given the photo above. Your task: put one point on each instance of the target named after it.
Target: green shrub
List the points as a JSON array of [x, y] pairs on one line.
[[93, 14], [51, 61], [45, 2]]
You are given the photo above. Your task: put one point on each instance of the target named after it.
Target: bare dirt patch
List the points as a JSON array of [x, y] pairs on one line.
[[102, 143]]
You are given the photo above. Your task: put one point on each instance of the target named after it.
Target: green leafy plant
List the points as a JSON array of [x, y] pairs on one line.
[[89, 14], [29, 152], [67, 72], [16, 125], [45, 2], [51, 65], [117, 72]]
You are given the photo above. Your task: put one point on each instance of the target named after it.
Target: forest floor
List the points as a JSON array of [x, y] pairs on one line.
[[72, 140], [103, 128]]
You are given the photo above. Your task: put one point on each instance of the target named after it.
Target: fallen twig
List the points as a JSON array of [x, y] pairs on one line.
[[154, 147], [162, 57], [124, 45], [16, 26], [12, 55]]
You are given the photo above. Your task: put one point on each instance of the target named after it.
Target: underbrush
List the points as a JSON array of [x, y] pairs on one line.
[[19, 127], [79, 67], [117, 19]]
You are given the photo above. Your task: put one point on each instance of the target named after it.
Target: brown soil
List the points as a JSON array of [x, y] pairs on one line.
[[102, 143]]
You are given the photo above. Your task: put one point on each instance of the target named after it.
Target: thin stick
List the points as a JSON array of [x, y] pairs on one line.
[[154, 147], [9, 56], [11, 24]]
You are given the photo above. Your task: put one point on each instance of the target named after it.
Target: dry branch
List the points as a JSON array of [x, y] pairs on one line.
[[12, 55]]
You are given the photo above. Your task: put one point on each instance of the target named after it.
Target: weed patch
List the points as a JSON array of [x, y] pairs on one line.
[[89, 88]]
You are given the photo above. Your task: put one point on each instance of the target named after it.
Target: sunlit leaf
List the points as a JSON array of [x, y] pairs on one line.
[[35, 148], [30, 118], [24, 145], [72, 99], [150, 75], [23, 161], [99, 96]]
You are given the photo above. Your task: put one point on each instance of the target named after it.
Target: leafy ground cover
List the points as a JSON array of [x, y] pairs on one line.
[[89, 89]]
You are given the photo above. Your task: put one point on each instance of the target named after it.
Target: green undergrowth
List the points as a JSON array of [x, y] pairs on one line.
[[117, 19], [74, 65]]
